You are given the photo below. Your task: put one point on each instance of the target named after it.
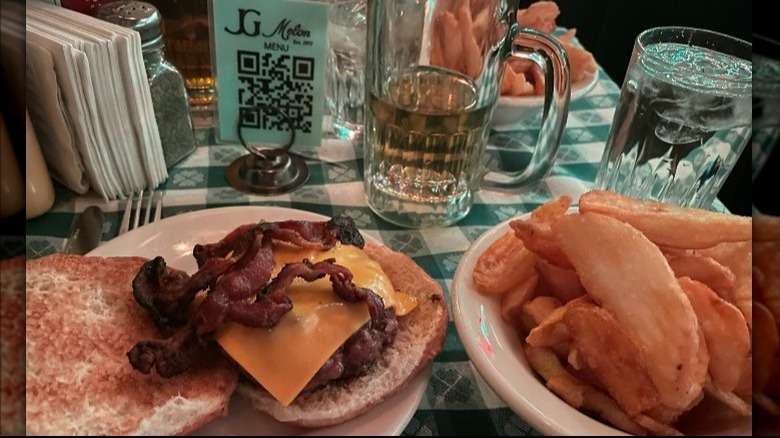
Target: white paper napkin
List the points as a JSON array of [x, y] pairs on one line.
[[75, 105], [127, 43], [114, 124], [52, 127]]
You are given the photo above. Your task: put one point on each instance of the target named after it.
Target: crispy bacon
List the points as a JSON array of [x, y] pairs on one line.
[[170, 356], [239, 289], [166, 293], [176, 354], [305, 234], [248, 275], [236, 239]]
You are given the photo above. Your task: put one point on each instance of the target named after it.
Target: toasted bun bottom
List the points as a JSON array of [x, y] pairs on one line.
[[420, 338], [81, 321]]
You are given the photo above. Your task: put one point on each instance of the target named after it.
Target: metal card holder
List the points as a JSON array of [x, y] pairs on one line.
[[267, 171]]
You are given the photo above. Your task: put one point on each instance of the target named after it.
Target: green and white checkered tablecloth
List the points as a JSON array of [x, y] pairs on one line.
[[457, 400]]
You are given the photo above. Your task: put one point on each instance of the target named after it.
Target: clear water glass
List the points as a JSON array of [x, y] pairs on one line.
[[346, 65], [683, 117]]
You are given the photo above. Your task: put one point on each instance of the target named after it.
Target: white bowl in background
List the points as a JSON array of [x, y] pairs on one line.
[[511, 109]]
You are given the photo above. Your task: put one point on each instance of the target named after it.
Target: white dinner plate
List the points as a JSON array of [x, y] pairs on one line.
[[497, 353], [173, 238]]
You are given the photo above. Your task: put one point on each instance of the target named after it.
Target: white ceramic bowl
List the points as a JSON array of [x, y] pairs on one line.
[[514, 109], [496, 352]]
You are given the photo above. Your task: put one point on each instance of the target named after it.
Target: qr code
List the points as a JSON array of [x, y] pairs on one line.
[[280, 81]]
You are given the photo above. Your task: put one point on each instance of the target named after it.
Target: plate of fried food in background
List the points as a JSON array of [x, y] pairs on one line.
[[512, 109], [615, 317], [766, 289], [522, 87]]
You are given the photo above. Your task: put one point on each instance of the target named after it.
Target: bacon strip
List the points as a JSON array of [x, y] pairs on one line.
[[250, 273], [240, 238], [166, 293], [171, 356], [305, 234], [240, 289]]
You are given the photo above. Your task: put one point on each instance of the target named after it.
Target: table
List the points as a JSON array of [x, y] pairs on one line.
[[457, 401]]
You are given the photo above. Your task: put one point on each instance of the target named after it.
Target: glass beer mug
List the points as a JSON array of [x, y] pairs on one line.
[[433, 76]]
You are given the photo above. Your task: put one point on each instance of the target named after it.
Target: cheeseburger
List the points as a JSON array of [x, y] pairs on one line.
[[323, 325]]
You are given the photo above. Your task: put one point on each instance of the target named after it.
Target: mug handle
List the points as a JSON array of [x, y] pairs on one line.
[[546, 52]]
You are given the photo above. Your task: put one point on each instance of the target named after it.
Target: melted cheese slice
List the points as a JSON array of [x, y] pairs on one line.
[[365, 271], [285, 358]]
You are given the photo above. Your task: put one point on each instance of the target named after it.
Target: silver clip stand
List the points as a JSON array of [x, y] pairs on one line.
[[271, 171]]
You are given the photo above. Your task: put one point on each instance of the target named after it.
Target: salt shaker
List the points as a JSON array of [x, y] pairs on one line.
[[169, 95]]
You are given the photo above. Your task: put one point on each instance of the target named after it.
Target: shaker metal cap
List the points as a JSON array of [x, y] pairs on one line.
[[139, 16]]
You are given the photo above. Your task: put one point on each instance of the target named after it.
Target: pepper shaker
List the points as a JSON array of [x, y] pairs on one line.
[[169, 94]]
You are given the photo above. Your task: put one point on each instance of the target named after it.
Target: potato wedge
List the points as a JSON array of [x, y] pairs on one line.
[[655, 427], [706, 270], [539, 239], [668, 225], [552, 331], [569, 389], [472, 57], [561, 283], [666, 415], [737, 257], [543, 361], [445, 29], [513, 300], [628, 275], [729, 399], [504, 265], [613, 357], [725, 331], [576, 392], [536, 234], [551, 210], [540, 308]]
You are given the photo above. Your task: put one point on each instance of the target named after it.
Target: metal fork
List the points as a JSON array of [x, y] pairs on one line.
[[136, 213]]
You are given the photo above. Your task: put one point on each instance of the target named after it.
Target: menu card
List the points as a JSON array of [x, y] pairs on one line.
[[269, 61]]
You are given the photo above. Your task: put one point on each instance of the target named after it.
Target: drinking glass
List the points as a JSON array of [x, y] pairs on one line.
[[344, 82], [683, 117], [433, 75]]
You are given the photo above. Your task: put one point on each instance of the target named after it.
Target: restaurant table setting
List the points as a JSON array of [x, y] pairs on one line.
[[456, 400], [565, 145]]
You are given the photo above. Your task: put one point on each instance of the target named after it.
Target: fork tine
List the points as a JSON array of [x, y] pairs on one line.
[[158, 208], [137, 213], [126, 216], [148, 207]]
